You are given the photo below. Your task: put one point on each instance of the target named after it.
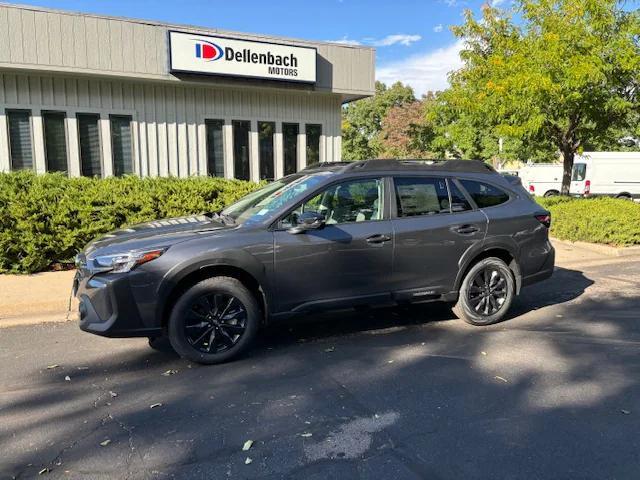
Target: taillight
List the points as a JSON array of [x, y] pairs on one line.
[[587, 187], [544, 219], [532, 189]]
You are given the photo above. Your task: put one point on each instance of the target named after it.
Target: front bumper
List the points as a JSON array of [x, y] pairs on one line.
[[109, 305]]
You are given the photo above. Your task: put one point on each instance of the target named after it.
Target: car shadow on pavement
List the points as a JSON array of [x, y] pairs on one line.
[[378, 394]]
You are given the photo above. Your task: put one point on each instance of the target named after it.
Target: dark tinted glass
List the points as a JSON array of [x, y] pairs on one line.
[[458, 201], [265, 142], [20, 139], [89, 137], [313, 143], [121, 146], [483, 194], [290, 139], [421, 196], [215, 151], [55, 141], [241, 130]]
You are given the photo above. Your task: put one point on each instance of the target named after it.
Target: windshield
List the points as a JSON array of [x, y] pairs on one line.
[[261, 203], [579, 172]]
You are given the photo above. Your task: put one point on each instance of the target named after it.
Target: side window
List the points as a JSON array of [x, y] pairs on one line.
[[354, 201], [483, 194], [459, 202], [421, 196]]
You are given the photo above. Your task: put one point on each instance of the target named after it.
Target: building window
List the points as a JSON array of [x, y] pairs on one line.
[[121, 145], [89, 136], [241, 130], [215, 150], [265, 150], [55, 141], [20, 139], [313, 143], [290, 139]]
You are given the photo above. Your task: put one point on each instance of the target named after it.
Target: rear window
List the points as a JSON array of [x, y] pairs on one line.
[[579, 172], [421, 196], [483, 194]]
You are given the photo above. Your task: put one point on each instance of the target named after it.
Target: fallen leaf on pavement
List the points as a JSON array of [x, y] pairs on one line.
[[306, 435], [113, 394], [247, 445], [390, 361], [105, 443], [155, 405], [43, 471], [247, 461], [67, 378], [626, 412], [484, 353], [329, 350], [51, 367], [169, 372], [502, 379]]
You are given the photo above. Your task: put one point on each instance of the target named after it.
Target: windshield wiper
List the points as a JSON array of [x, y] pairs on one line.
[[225, 217]]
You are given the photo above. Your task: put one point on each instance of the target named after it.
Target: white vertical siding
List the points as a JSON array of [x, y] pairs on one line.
[[168, 126]]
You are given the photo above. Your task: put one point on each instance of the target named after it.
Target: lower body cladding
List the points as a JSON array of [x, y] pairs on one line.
[[110, 305]]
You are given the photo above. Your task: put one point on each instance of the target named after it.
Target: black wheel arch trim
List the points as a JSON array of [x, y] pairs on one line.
[[238, 260], [474, 253]]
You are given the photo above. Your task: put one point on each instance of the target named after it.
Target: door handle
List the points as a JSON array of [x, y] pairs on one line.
[[466, 229], [378, 238]]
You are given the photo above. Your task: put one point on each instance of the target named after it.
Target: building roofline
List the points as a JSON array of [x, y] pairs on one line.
[[158, 23]]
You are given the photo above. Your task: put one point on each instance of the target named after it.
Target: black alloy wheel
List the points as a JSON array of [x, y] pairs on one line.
[[488, 291], [215, 322]]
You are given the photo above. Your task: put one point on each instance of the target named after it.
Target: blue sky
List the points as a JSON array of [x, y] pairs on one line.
[[412, 39]]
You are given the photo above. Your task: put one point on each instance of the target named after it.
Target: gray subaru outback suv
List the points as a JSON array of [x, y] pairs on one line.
[[332, 236]]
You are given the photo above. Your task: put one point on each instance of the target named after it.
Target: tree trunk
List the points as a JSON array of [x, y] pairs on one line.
[[568, 155]]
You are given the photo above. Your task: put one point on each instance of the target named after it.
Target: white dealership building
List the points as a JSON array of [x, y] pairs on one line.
[[99, 96]]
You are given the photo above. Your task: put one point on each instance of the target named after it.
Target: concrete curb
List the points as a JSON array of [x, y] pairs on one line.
[[607, 250]]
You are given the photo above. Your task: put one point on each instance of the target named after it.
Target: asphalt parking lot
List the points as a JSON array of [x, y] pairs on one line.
[[554, 392]]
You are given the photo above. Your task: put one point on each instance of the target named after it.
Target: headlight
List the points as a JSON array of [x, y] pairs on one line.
[[124, 262]]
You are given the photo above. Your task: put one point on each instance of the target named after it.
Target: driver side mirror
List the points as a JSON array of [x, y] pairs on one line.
[[308, 221]]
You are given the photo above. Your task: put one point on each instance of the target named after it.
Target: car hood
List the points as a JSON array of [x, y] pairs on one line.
[[156, 233]]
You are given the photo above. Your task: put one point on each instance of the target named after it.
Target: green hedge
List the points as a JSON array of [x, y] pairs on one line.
[[597, 220], [46, 219]]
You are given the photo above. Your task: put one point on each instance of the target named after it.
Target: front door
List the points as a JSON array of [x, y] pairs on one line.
[[433, 227], [348, 261]]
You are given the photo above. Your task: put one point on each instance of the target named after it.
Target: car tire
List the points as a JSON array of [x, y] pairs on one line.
[[486, 293], [218, 314]]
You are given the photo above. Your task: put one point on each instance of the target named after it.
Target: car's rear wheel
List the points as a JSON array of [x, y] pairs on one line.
[[486, 293], [214, 321]]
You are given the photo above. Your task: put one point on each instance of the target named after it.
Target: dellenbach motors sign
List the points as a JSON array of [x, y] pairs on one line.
[[241, 58]]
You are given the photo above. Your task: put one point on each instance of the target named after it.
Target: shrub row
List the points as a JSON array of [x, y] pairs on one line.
[[597, 220], [46, 219]]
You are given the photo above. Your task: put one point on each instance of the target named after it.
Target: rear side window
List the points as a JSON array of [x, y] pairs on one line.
[[459, 202], [483, 194], [421, 196], [579, 172]]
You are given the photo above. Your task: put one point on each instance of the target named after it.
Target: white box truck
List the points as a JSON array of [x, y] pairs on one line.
[[611, 174], [542, 179]]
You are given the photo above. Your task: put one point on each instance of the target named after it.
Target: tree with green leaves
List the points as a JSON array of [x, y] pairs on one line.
[[362, 120], [564, 75]]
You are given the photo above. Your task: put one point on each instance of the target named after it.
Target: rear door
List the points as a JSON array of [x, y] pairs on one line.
[[433, 225], [345, 263]]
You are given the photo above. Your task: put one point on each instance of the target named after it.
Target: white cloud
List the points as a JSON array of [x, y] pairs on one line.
[[345, 41], [399, 39], [438, 28], [497, 3], [426, 71], [402, 39]]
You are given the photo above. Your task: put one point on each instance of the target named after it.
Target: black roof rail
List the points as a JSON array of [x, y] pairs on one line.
[[469, 166]]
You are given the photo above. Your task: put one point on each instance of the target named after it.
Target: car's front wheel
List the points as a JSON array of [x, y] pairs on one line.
[[486, 293], [214, 321]]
